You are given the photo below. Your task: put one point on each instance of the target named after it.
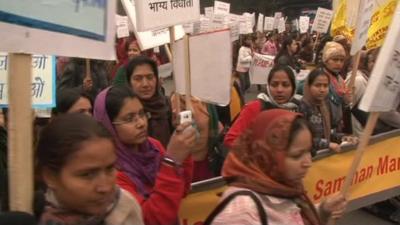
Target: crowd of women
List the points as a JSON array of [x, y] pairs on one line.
[[114, 151]]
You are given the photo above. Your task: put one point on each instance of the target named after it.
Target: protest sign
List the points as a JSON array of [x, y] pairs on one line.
[[43, 81], [165, 70], [122, 26], [234, 27], [304, 24], [322, 20], [260, 67], [380, 21], [59, 28], [209, 12], [260, 22], [363, 22], [269, 23], [382, 92], [157, 14], [218, 21], [277, 16], [188, 28], [281, 25], [150, 39], [210, 66], [248, 22], [243, 25], [221, 8]]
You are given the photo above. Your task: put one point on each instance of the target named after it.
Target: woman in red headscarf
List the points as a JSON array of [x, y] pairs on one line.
[[264, 172]]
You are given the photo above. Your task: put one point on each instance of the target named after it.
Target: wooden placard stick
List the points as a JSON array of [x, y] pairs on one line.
[[188, 90], [369, 128], [170, 54], [87, 74], [20, 127], [356, 63], [316, 41]]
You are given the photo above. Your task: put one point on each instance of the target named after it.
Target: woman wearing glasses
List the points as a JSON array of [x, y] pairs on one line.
[[142, 75], [158, 178]]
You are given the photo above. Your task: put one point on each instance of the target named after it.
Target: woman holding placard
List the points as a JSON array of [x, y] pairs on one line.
[[157, 178], [264, 171], [387, 120], [281, 88], [244, 60]]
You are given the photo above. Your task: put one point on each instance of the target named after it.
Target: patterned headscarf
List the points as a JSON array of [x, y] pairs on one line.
[[256, 160]]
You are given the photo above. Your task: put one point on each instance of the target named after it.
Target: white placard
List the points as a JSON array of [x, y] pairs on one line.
[[210, 66], [260, 22], [281, 25], [243, 25], [221, 7], [218, 21], [277, 16], [234, 18], [122, 26], [205, 25], [260, 67], [43, 81], [150, 39], [269, 23], [383, 90], [209, 12], [188, 28], [322, 20], [158, 14], [234, 27], [249, 21], [58, 28], [304, 24], [165, 70], [363, 21]]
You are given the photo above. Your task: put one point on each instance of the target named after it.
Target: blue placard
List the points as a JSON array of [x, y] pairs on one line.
[[43, 81], [84, 18]]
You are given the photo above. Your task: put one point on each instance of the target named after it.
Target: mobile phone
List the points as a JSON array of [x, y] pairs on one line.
[[185, 116]]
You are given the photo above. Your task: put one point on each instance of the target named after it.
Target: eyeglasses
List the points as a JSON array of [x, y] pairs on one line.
[[133, 118]]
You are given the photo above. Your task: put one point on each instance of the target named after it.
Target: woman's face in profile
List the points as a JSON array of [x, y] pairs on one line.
[[298, 158]]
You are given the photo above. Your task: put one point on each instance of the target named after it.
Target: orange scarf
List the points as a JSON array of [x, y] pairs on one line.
[[256, 161]]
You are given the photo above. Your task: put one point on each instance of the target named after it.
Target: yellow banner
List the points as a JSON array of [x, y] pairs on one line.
[[339, 25], [378, 171], [380, 22]]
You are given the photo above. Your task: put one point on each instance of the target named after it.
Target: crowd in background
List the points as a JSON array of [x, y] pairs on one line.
[[114, 152]]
